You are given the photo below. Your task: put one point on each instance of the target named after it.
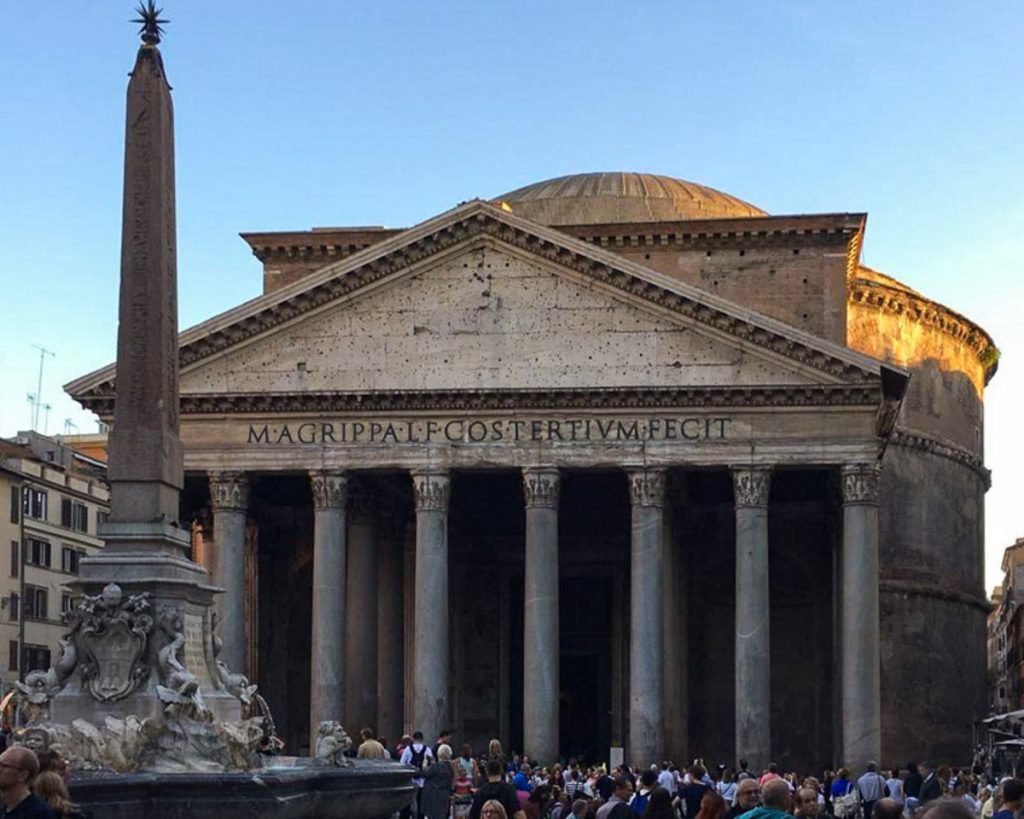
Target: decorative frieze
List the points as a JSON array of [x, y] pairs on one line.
[[860, 483], [712, 397], [751, 486], [943, 449], [647, 487], [330, 489], [229, 491], [541, 486], [924, 311], [431, 490]]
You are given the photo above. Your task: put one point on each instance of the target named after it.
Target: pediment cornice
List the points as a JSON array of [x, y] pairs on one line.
[[479, 219]]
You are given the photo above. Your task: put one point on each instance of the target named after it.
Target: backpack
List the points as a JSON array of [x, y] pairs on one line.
[[417, 757], [639, 803]]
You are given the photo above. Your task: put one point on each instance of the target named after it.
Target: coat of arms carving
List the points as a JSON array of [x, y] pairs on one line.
[[112, 632]]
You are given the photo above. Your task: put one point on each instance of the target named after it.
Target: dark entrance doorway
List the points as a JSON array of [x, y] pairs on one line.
[[585, 696]]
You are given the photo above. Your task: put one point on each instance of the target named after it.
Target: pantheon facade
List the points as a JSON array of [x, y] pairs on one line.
[[612, 460]]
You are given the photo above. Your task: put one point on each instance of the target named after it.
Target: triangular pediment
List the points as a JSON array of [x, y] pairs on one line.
[[479, 299]]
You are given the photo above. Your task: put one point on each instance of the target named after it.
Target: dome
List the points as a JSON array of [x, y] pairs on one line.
[[599, 198]]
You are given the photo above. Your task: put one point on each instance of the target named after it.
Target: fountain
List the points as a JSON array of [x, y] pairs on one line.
[[151, 721]]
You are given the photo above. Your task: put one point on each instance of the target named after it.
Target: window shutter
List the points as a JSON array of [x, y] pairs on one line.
[[65, 512], [15, 558], [15, 504]]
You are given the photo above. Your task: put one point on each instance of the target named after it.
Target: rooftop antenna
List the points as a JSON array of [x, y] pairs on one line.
[[38, 398], [70, 425], [46, 417]]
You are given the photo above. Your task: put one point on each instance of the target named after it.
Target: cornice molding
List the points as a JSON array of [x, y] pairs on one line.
[[917, 589], [943, 449], [825, 395], [746, 232], [480, 220], [888, 299]]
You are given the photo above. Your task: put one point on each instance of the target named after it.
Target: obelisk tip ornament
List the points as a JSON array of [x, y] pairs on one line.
[[150, 23], [146, 473]]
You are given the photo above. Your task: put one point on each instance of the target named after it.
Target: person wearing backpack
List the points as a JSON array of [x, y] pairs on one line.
[[648, 782], [419, 756]]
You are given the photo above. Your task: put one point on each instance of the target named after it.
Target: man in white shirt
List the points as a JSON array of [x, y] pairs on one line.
[[419, 756]]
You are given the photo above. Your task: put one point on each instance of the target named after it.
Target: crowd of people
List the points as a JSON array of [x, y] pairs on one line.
[[495, 785]]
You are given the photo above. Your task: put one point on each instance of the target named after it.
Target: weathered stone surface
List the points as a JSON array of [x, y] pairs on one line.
[[520, 313], [145, 451]]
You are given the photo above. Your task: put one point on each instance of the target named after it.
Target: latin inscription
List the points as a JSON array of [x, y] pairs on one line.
[[495, 431]]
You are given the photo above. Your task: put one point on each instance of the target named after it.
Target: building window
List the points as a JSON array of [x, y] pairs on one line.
[[15, 606], [69, 559], [37, 657], [74, 515], [37, 552], [15, 558], [35, 503], [67, 603], [101, 518], [35, 602], [15, 503], [12, 655]]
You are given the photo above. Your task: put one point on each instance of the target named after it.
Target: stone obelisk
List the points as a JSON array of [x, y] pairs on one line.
[[145, 467], [171, 644]]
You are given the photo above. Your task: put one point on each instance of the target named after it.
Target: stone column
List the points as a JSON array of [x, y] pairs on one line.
[[229, 497], [431, 491], [390, 625], [753, 654], [646, 622], [361, 608], [540, 616], [860, 647], [327, 646]]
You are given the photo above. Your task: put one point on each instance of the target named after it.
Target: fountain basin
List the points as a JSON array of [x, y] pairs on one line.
[[286, 788]]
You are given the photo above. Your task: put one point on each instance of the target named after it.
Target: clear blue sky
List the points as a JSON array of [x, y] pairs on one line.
[[291, 115]]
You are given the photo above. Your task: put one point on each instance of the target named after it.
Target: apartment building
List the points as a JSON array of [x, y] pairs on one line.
[[53, 499]]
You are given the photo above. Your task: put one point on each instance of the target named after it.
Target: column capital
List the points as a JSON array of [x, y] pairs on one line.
[[646, 486], [229, 490], [541, 486], [860, 482], [329, 488], [750, 485], [431, 489]]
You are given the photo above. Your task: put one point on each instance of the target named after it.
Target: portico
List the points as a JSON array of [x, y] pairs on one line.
[[583, 488]]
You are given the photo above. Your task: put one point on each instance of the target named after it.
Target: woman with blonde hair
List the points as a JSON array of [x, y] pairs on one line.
[[49, 786], [493, 809]]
